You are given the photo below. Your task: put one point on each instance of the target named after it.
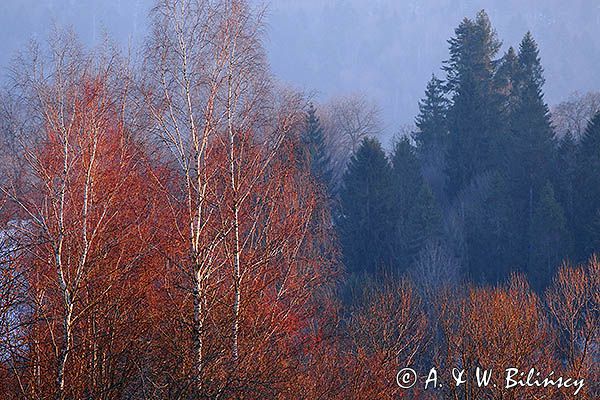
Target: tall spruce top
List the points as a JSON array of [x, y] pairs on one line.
[[529, 60], [431, 121], [472, 51], [314, 142]]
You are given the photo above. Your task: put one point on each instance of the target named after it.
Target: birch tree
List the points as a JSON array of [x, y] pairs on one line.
[[210, 95], [81, 210]]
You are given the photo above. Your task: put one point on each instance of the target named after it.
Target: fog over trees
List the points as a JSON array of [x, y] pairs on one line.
[[177, 221], [386, 49]]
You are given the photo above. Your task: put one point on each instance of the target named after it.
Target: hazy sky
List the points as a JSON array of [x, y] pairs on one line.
[[386, 49]]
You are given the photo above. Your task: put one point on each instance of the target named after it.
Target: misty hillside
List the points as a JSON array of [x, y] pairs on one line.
[[384, 48]]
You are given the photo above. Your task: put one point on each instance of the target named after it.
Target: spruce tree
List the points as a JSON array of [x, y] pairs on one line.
[[431, 137], [563, 179], [587, 183], [317, 154], [473, 118], [506, 87], [416, 214], [423, 224], [489, 231], [531, 136], [547, 237], [406, 174], [594, 231], [366, 224], [431, 121], [506, 84]]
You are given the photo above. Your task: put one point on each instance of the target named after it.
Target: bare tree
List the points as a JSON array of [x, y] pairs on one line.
[[434, 269], [346, 121], [574, 114], [49, 89], [185, 75], [493, 327], [573, 301], [209, 92], [388, 330], [405, 130], [80, 162], [13, 295]]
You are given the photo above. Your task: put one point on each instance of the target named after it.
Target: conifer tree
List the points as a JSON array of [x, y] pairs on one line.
[[317, 154], [431, 121], [431, 137], [416, 215], [366, 224], [506, 91], [564, 173], [533, 137], [532, 143], [423, 224], [547, 232], [506, 85], [406, 174], [491, 244], [594, 231], [587, 183], [473, 118]]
